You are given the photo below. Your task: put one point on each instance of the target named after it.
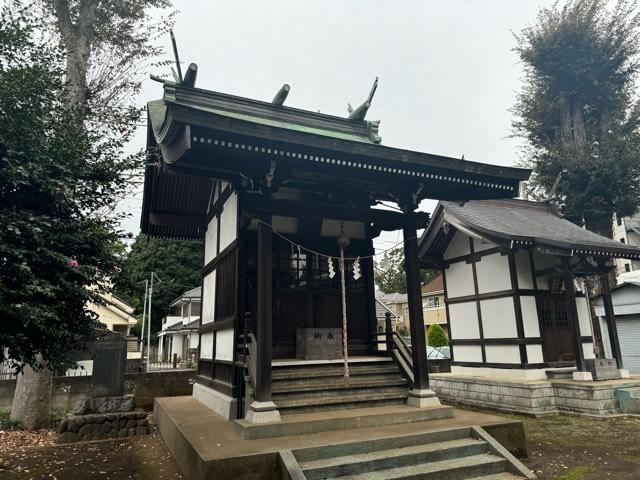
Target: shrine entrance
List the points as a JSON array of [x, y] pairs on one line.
[[556, 331], [307, 296]]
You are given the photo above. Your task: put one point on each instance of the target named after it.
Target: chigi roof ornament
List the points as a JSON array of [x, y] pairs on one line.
[[189, 79]]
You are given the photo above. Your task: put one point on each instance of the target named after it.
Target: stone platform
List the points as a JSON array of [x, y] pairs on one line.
[[533, 397], [206, 446]]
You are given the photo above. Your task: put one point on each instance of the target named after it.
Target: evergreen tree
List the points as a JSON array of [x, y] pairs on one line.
[[177, 263], [390, 276], [578, 110], [436, 336]]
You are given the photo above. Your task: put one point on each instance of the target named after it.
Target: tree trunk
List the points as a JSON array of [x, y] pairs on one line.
[[579, 132], [32, 398]]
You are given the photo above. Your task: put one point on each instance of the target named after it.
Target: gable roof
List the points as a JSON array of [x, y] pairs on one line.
[[193, 294], [196, 135], [517, 223], [382, 309], [435, 285]]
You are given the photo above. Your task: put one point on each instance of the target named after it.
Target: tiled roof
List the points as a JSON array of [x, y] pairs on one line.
[[513, 222], [382, 309], [435, 285]]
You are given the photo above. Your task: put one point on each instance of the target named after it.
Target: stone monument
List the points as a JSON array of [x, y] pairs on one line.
[[108, 412]]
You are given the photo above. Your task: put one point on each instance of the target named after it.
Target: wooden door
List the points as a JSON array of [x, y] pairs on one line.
[[555, 329]]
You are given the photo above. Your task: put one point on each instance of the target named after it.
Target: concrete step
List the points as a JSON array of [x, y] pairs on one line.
[[318, 371], [302, 423], [331, 390], [284, 384], [392, 458], [366, 399], [464, 467]]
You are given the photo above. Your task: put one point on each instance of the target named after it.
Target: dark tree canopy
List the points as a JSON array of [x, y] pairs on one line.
[[57, 248], [578, 109], [178, 264], [390, 276]]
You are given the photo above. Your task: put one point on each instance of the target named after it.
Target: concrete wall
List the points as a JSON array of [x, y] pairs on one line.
[[144, 386]]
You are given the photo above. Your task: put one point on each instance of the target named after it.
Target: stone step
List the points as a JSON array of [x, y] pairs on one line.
[[465, 467], [392, 458], [367, 399], [334, 380], [302, 423], [317, 371], [333, 389]]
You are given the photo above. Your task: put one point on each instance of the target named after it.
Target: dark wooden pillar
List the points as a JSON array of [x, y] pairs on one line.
[[414, 300], [263, 315], [572, 312], [610, 317]]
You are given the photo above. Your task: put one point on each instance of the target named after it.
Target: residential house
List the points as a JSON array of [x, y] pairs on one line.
[[117, 316], [179, 333], [433, 306], [626, 230]]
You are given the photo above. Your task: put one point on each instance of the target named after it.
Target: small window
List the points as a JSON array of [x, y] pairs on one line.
[[627, 267], [433, 302], [406, 310], [618, 220], [622, 240]]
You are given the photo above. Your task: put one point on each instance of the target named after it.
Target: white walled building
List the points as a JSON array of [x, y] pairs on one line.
[[513, 270], [179, 334], [626, 230]]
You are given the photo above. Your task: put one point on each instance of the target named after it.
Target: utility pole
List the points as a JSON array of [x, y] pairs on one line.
[[149, 323], [144, 315]]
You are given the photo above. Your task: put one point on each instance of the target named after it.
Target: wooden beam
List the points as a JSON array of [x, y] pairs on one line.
[[174, 220], [416, 318], [264, 314], [297, 208], [612, 327]]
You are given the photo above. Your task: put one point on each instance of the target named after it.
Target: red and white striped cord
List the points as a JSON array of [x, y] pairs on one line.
[[345, 350]]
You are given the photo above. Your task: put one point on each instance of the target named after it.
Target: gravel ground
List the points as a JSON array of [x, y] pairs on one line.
[[26, 455], [560, 448]]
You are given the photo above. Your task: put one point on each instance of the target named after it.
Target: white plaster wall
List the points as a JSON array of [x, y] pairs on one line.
[[193, 340], [458, 246], [284, 224], [523, 268], [493, 273], [209, 297], [459, 277], [224, 344], [229, 221], [587, 348], [211, 241], [529, 316], [534, 354], [467, 353], [583, 317], [332, 228], [480, 245], [502, 353], [463, 321], [498, 318], [206, 345]]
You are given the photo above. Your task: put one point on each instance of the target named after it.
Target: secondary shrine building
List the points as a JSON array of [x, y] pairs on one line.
[[514, 290], [271, 189]]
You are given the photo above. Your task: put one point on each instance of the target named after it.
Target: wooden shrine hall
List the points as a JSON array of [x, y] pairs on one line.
[[275, 192]]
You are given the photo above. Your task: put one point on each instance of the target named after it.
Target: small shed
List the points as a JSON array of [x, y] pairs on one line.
[[626, 307]]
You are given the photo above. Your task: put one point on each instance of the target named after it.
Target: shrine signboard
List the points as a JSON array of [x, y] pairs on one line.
[[318, 343]]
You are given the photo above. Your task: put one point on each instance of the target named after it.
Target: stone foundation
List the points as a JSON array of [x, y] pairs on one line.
[[84, 428], [533, 397]]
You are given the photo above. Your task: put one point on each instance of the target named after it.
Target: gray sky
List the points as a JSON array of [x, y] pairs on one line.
[[448, 75]]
